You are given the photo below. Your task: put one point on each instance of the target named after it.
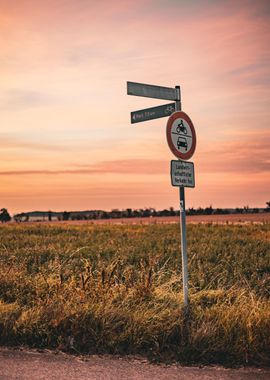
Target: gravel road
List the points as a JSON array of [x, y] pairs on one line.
[[16, 364]]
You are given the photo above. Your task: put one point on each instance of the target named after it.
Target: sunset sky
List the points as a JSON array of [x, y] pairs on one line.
[[65, 132]]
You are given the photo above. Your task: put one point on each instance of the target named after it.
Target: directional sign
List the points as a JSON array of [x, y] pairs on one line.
[[152, 113], [150, 91], [181, 135], [182, 173]]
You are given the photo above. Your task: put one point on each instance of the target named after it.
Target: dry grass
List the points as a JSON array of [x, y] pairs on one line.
[[117, 289]]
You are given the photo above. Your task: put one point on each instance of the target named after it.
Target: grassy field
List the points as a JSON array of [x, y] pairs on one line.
[[118, 289]]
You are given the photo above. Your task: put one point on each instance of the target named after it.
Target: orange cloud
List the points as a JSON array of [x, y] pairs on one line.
[[248, 154], [131, 167]]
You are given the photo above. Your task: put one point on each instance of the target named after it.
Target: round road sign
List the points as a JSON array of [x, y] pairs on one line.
[[181, 135]]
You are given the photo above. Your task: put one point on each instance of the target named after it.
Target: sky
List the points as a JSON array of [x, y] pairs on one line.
[[66, 141]]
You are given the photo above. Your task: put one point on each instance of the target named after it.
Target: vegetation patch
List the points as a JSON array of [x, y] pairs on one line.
[[118, 289]]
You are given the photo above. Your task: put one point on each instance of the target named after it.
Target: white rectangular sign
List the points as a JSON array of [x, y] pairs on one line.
[[182, 173]]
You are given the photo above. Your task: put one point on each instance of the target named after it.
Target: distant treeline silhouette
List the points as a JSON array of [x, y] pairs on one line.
[[130, 213], [4, 215]]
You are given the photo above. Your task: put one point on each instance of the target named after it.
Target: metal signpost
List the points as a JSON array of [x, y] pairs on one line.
[[181, 139]]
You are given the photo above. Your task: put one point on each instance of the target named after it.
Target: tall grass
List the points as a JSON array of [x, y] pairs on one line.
[[117, 289]]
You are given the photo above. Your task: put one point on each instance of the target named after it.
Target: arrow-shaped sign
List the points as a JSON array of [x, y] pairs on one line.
[[151, 91], [152, 113]]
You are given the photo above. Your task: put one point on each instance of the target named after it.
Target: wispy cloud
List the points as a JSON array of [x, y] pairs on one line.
[[18, 99], [9, 142], [246, 155], [130, 167]]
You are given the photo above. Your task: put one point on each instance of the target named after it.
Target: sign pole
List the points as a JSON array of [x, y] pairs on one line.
[[181, 138], [183, 221]]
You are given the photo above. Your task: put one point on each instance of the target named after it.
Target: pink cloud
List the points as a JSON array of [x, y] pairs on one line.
[[247, 154], [130, 167]]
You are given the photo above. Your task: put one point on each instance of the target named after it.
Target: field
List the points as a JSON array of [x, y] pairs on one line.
[[117, 289]]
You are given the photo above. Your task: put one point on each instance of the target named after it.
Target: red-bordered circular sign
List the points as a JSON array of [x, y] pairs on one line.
[[181, 135]]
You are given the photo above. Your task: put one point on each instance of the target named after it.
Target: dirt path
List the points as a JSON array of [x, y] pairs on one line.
[[26, 364]]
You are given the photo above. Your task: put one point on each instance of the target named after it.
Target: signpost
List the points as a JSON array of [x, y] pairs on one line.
[[181, 139]]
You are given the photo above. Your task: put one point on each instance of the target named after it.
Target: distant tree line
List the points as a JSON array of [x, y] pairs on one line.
[[4, 215], [126, 213]]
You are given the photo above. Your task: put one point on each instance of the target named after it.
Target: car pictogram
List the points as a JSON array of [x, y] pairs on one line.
[[182, 141]]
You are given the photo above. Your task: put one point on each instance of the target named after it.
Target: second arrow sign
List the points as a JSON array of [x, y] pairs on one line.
[[152, 113]]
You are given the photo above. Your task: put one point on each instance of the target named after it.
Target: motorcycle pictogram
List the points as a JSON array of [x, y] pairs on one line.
[[181, 128]]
